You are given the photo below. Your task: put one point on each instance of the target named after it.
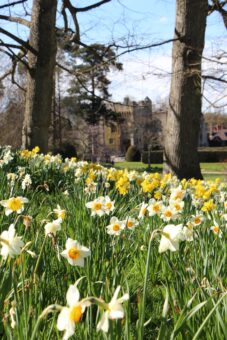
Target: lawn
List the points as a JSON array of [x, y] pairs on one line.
[[222, 167]]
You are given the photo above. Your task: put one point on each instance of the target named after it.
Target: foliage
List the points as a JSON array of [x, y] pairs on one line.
[[89, 88], [132, 154]]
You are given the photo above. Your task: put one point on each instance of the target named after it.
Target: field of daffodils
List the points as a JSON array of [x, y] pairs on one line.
[[88, 252]]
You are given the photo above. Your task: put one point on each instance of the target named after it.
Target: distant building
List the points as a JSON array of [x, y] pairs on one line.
[[139, 125]]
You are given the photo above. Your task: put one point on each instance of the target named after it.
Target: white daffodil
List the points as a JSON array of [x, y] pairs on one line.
[[51, 228], [196, 220], [60, 213], [154, 207], [27, 182], [168, 213], [177, 193], [72, 314], [131, 223], [14, 204], [114, 310], [108, 205], [188, 232], [143, 210], [177, 205], [75, 253], [171, 237], [216, 230], [97, 206], [11, 245], [115, 227]]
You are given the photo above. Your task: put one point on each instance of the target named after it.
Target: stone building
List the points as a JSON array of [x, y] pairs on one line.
[[139, 126]]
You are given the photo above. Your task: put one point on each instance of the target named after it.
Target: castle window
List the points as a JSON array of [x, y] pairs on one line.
[[113, 128]]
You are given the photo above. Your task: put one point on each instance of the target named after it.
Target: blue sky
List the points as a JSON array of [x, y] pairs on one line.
[[146, 73]]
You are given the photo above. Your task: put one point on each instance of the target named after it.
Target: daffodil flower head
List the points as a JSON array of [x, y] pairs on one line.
[[60, 213], [75, 253], [14, 204], [97, 206], [114, 310], [11, 245], [115, 227], [72, 313], [51, 228], [171, 237]]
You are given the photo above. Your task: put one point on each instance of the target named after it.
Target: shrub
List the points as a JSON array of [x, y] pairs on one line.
[[206, 155], [133, 154], [155, 157], [66, 150]]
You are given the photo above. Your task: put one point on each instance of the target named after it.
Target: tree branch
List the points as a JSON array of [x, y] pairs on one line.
[[67, 4], [20, 41], [88, 8], [205, 77], [13, 3], [16, 19], [6, 74]]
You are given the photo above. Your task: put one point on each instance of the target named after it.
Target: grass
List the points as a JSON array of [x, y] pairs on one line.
[[143, 167]]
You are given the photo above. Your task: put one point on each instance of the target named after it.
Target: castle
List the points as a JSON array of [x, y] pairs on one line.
[[139, 126]]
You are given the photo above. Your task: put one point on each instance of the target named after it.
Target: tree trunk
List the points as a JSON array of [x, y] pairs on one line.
[[40, 75], [184, 112]]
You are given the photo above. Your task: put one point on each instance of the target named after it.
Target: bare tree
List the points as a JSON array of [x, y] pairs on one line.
[[183, 118]]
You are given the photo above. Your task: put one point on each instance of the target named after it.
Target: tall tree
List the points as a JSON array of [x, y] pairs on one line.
[[41, 51], [184, 112], [89, 87], [40, 75]]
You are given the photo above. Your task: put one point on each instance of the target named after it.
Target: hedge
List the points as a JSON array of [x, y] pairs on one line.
[[206, 155]]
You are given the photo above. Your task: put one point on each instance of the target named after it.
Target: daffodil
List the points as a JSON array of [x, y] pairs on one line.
[[60, 213], [196, 220], [115, 227], [216, 230], [171, 237], [97, 206], [51, 228], [11, 244], [71, 314], [154, 207], [168, 213], [177, 193], [108, 205], [75, 253], [143, 210], [14, 204], [130, 223], [114, 310]]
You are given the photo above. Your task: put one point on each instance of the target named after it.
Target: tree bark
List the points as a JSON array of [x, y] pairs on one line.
[[42, 38], [184, 112]]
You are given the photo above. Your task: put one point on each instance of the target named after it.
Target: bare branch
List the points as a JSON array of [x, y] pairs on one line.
[[67, 4], [88, 8], [13, 3], [205, 77], [16, 19], [20, 41], [6, 74]]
